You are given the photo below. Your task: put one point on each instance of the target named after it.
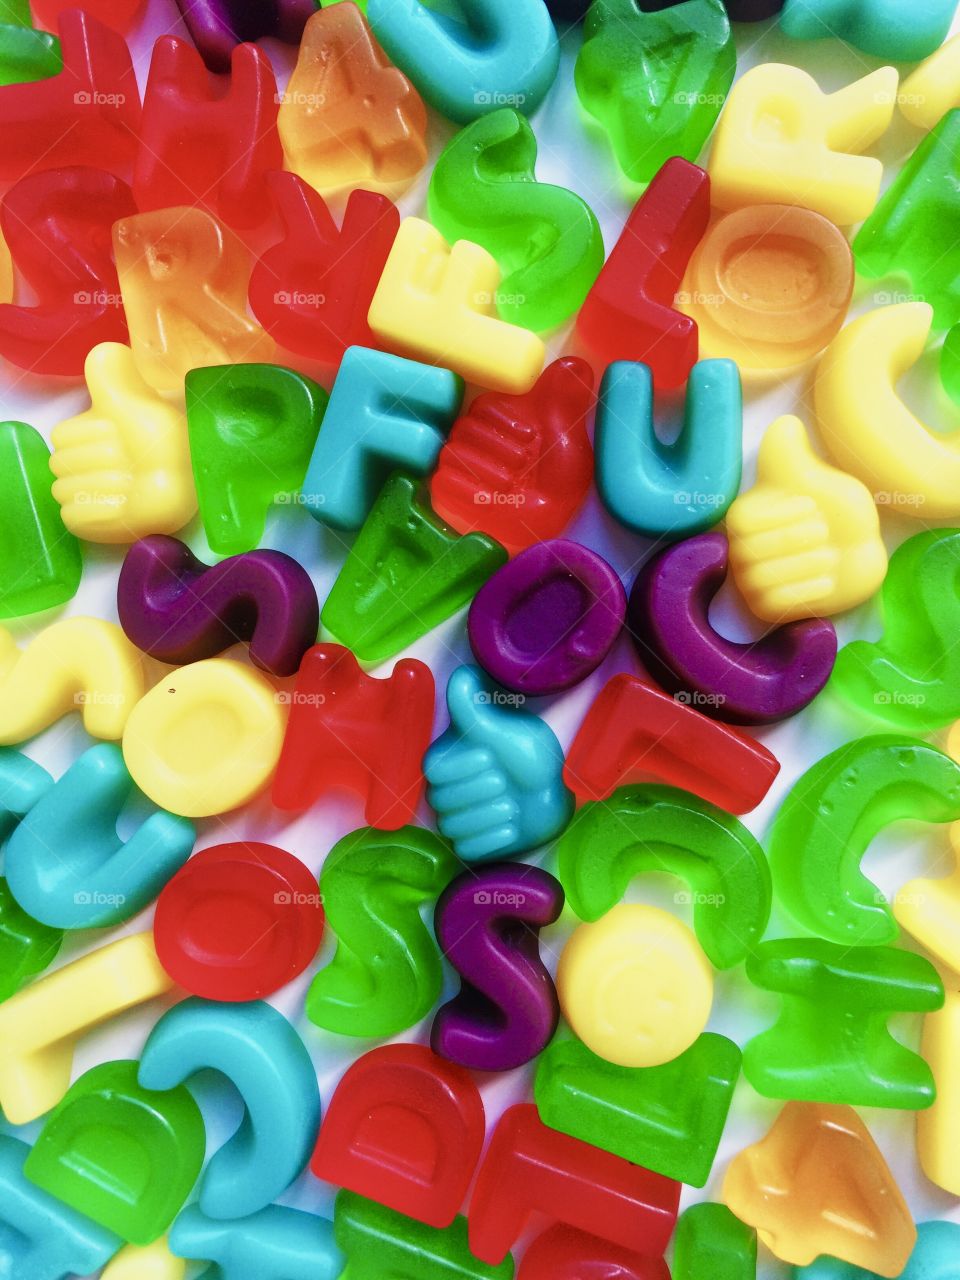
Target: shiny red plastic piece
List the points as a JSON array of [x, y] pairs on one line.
[[635, 731], [206, 142], [88, 114], [118, 14], [404, 1128], [564, 1253], [238, 921], [312, 290], [348, 729], [530, 1169], [629, 312], [57, 225], [517, 467]]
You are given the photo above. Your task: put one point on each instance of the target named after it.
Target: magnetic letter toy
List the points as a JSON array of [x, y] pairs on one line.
[[805, 540], [817, 1184], [201, 146], [385, 974], [653, 828], [179, 610], [354, 731], [404, 1128], [834, 810], [530, 1169], [252, 429], [494, 777], [936, 1147], [882, 28], [312, 290], [633, 731], [545, 239], [385, 414], [565, 1253], [518, 467], [669, 1118], [436, 303], [710, 1241], [465, 64], [629, 314], [42, 562], [635, 986], [755, 682], [123, 1155], [655, 78], [782, 140], [65, 863], [406, 573], [261, 1055], [275, 1244], [122, 466], [348, 117], [830, 1042], [218, 26], [676, 490], [238, 921], [488, 926], [27, 947], [933, 89], [56, 225], [23, 783], [183, 276], [205, 739], [75, 664], [548, 618]]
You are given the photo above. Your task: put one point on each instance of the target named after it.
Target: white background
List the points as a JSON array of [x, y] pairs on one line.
[[572, 153]]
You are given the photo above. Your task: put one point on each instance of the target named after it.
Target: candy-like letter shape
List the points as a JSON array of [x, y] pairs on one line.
[[261, 1055], [757, 682], [817, 1184], [629, 313], [492, 51], [349, 729], [676, 490], [546, 239], [936, 1128], [566, 1253], [929, 910], [218, 26], [831, 1043], [933, 89], [883, 28], [123, 465], [494, 776], [275, 1244], [348, 117], [436, 303], [146, 1262], [829, 818], [781, 140], [25, 53], [710, 1241], [655, 78], [405, 1128], [385, 974], [805, 540], [488, 925], [178, 609], [26, 946]]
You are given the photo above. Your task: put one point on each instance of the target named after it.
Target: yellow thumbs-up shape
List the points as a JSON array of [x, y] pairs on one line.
[[123, 467], [805, 540]]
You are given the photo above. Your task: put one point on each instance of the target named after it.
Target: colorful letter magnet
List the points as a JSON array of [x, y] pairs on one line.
[[261, 1055], [494, 775], [781, 140], [710, 1241], [545, 239], [23, 783], [42, 562], [27, 947], [275, 1244], [179, 610], [933, 89], [655, 78], [882, 28], [238, 922], [385, 413], [757, 682], [467, 63], [406, 573], [218, 26], [548, 618], [564, 1253], [629, 314], [488, 926], [831, 1043], [385, 974], [676, 490]]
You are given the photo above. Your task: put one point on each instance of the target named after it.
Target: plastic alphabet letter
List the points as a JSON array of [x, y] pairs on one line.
[[710, 1241], [882, 28], [275, 1244]]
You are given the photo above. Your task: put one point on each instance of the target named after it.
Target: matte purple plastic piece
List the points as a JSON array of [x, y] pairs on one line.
[[547, 618], [180, 610], [756, 683], [488, 924], [218, 26]]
